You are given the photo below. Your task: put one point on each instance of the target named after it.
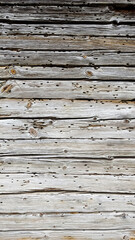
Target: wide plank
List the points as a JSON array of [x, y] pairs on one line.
[[66, 58], [83, 148], [45, 108], [71, 166], [67, 29], [75, 89], [67, 129], [36, 42], [68, 235], [100, 73], [67, 202], [57, 13], [41, 221]]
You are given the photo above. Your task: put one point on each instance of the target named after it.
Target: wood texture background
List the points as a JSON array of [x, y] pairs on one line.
[[67, 120]]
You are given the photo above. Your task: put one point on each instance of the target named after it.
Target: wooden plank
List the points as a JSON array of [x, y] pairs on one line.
[[68, 235], [41, 221], [66, 2], [83, 148], [67, 202], [66, 58], [101, 73], [79, 89], [57, 13], [71, 166], [71, 43], [67, 29], [97, 110], [66, 129]]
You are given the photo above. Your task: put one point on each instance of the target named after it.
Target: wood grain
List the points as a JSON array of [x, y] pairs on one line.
[[75, 89]]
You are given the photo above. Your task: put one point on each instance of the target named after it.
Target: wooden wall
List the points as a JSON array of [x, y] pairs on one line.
[[67, 120]]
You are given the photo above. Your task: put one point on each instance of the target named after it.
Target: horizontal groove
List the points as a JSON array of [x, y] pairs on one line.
[[65, 191], [98, 22]]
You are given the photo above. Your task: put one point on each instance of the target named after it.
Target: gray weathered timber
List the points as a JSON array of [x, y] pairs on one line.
[[68, 29], [67, 202], [40, 221], [67, 58], [45, 108], [100, 73], [75, 89], [83, 148], [67, 2], [30, 183], [67, 129], [67, 120], [67, 14], [71, 166], [69, 234], [41, 42]]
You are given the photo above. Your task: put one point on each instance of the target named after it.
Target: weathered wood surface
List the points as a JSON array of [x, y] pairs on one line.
[[67, 120], [75, 89], [66, 129], [75, 30], [66, 58], [41, 42], [71, 166], [68, 235], [86, 148], [40, 221], [100, 73], [66, 2], [67, 202], [45, 108]]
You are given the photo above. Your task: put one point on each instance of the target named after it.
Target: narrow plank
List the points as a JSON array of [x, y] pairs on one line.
[[41, 42], [79, 89], [100, 73], [68, 235], [66, 2], [66, 129], [67, 202], [30, 108], [67, 29], [66, 58], [96, 221], [83, 148], [71, 166]]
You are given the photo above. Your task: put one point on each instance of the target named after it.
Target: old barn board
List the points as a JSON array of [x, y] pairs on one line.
[[67, 120]]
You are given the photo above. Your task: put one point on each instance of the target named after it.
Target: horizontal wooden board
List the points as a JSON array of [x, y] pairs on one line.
[[101, 73], [78, 43], [57, 13], [83, 148], [66, 2], [67, 29], [95, 221], [66, 58], [67, 129], [97, 110], [23, 183], [75, 89], [67, 202], [71, 166], [68, 235]]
